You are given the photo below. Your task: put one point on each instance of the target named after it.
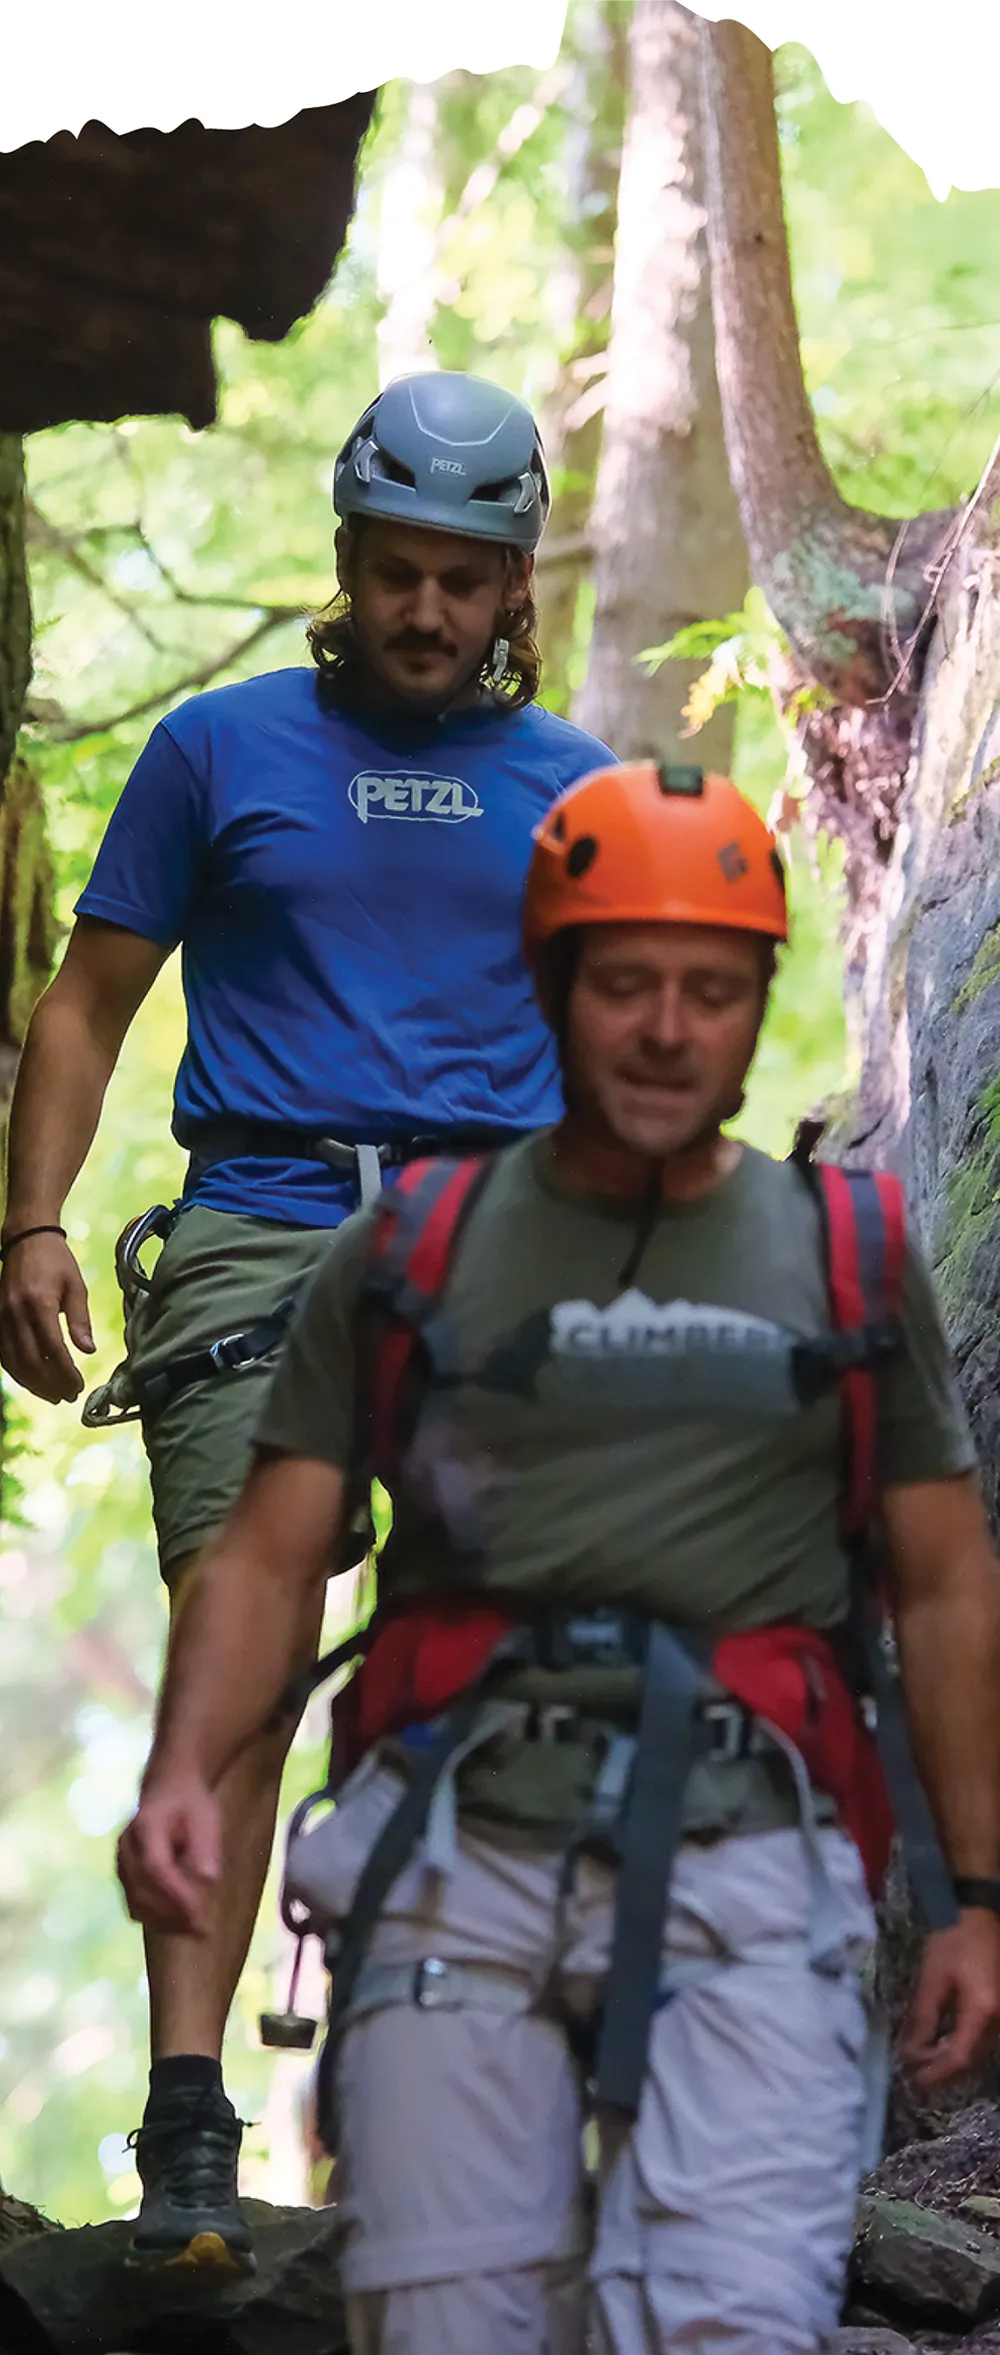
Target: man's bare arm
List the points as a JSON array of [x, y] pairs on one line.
[[946, 1601], [74, 1040]]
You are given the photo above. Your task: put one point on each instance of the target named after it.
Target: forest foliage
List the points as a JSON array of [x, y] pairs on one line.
[[162, 560]]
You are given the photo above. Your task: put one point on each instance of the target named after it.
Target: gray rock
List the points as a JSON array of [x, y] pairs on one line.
[[869, 2342], [931, 2265], [70, 2293]]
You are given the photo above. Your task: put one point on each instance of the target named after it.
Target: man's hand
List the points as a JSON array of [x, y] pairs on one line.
[[955, 2012], [41, 1284], [169, 1857]]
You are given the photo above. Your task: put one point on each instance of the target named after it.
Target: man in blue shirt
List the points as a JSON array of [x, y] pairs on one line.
[[340, 855]]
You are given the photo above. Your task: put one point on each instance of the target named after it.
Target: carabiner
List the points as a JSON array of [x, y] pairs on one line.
[[132, 1277]]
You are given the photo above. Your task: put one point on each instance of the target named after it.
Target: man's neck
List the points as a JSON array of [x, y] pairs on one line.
[[588, 1163]]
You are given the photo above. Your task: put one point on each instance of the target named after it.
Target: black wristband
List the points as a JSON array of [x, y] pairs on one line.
[[7, 1242], [984, 1891]]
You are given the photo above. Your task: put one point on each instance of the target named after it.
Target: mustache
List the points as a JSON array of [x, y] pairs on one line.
[[420, 642]]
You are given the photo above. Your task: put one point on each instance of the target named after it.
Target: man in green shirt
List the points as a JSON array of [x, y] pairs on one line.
[[609, 1434]]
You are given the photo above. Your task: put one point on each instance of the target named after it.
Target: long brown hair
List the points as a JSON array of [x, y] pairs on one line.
[[334, 648]]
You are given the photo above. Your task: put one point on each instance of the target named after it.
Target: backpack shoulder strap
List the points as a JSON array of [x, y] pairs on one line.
[[864, 1233], [412, 1244], [864, 1243]]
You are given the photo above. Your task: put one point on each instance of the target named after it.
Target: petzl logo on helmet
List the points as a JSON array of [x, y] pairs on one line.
[[403, 794], [448, 466]]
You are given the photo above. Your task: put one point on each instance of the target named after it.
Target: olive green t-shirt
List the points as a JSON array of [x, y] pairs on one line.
[[639, 1446]]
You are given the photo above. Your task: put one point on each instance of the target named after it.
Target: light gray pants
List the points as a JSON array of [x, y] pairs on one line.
[[724, 2218]]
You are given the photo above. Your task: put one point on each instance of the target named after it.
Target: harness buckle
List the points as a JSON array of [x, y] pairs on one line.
[[729, 1730], [552, 1721], [229, 1354], [431, 1988]]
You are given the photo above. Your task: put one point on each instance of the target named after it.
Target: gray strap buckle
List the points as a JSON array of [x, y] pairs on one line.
[[728, 1728], [431, 1984], [363, 1161]]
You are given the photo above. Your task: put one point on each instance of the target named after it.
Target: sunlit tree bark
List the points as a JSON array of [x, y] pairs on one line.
[[580, 313], [668, 545]]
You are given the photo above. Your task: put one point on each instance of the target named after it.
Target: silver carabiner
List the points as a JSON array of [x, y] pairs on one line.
[[132, 1277], [112, 1402]]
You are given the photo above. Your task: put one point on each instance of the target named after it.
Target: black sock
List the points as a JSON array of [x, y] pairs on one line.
[[183, 2072]]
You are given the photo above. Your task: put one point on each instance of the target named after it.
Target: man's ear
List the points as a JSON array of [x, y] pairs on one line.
[[517, 579]]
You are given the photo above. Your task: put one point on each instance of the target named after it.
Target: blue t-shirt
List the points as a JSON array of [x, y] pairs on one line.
[[347, 891]]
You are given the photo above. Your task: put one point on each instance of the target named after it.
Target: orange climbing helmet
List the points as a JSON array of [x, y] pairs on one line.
[[647, 844]]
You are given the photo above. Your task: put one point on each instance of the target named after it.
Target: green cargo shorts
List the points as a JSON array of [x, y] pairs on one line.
[[216, 1274]]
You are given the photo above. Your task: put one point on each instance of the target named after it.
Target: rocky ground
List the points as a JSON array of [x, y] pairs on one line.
[[925, 2276]]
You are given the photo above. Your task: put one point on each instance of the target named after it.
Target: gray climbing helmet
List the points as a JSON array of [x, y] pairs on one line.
[[451, 452]]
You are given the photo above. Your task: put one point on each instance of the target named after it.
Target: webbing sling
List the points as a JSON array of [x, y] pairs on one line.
[[391, 1853], [864, 1235], [232, 1353], [651, 1829]]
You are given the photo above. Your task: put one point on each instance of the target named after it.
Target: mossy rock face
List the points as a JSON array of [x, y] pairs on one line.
[[952, 1150]]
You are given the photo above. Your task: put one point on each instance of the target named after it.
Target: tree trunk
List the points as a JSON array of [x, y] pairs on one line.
[[849, 587], [15, 610], [580, 309], [668, 545], [906, 767], [26, 938], [27, 928], [26, 923], [409, 219]]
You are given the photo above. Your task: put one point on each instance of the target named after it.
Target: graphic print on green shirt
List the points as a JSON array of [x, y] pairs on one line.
[[656, 1459]]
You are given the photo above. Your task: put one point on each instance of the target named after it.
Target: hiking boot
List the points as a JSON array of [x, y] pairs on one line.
[[190, 2228]]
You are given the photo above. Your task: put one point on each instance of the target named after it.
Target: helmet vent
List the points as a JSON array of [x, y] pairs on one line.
[[733, 862], [687, 781], [393, 470], [497, 492], [581, 855]]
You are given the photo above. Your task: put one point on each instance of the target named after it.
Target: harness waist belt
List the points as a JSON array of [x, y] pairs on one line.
[[230, 1138]]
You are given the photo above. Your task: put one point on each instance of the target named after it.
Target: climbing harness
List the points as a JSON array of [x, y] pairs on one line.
[[126, 1396], [428, 1661], [231, 1138]]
